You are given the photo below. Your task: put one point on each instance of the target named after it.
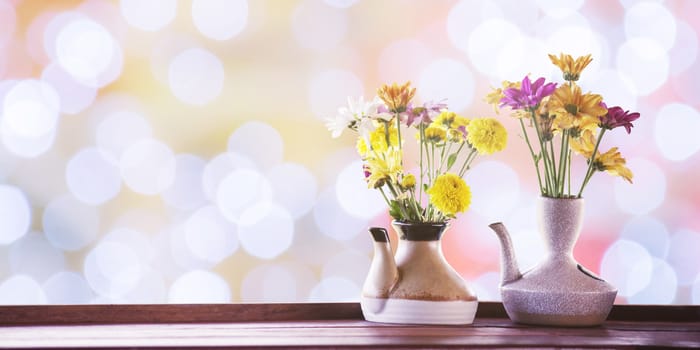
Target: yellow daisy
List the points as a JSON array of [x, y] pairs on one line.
[[396, 97], [612, 162], [574, 109], [570, 68]]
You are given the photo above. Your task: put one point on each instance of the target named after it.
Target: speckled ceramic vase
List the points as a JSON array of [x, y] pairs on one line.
[[558, 291], [416, 286]]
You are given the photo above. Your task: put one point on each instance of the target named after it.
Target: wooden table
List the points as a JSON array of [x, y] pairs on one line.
[[329, 325]]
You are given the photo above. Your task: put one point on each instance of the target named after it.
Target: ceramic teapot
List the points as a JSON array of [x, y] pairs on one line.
[[417, 285]]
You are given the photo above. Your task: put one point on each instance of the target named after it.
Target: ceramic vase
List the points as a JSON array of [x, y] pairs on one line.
[[558, 291], [417, 285]]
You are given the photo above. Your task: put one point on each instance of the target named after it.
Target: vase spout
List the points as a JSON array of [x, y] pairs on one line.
[[509, 265], [383, 273]]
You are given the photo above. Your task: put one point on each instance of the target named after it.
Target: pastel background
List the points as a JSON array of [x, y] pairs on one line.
[[167, 151]]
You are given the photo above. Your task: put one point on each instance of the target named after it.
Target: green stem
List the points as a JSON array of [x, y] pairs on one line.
[[562, 162], [549, 171], [465, 166], [534, 157], [568, 166], [591, 161]]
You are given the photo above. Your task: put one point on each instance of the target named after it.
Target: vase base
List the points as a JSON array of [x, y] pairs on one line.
[[392, 310], [558, 320]]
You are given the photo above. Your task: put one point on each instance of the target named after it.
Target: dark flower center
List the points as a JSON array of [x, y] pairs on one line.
[[572, 109]]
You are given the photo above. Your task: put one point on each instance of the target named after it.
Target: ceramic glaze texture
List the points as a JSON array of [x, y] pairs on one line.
[[417, 285], [558, 291]]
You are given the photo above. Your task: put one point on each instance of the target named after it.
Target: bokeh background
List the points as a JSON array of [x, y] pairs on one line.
[[169, 151]]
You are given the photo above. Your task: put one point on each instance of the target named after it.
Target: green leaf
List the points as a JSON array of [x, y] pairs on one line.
[[395, 211], [451, 160], [425, 187]]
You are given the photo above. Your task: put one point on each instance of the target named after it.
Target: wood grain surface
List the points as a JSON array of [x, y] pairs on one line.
[[324, 325]]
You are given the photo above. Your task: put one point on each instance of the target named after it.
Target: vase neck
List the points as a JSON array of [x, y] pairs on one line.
[[560, 223], [419, 232]]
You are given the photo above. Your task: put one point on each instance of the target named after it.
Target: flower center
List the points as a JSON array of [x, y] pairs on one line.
[[572, 109]]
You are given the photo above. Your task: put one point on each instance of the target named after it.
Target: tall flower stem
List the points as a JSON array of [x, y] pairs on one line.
[[549, 169], [421, 131], [467, 162], [591, 161], [534, 157], [563, 163]]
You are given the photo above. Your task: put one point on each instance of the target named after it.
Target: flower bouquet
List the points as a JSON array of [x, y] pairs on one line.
[[565, 122], [421, 202], [448, 144]]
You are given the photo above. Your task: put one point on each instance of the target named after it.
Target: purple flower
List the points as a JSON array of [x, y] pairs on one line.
[[617, 117], [423, 114], [529, 95]]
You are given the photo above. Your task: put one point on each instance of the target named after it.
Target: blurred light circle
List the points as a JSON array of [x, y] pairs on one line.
[[135, 240], [31, 109], [148, 166], [8, 20], [67, 287], [343, 4], [23, 146], [218, 168], [489, 201], [150, 289], [529, 248], [93, 176], [685, 50], [196, 76], [522, 54], [447, 79], [332, 220], [240, 190], [350, 264], [650, 233], [354, 196], [21, 290], [209, 236], [651, 178], [330, 90], [199, 286], [486, 43], [112, 269], [121, 129], [464, 16], [661, 289], [69, 224], [317, 26], [559, 9], [220, 19], [34, 256], [294, 187], [628, 266], [270, 284], [149, 15], [616, 88], [586, 42], [651, 20], [247, 141], [186, 192], [266, 230], [644, 62], [683, 255], [486, 286], [86, 50], [402, 59], [335, 289], [677, 144], [74, 96], [15, 212]]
